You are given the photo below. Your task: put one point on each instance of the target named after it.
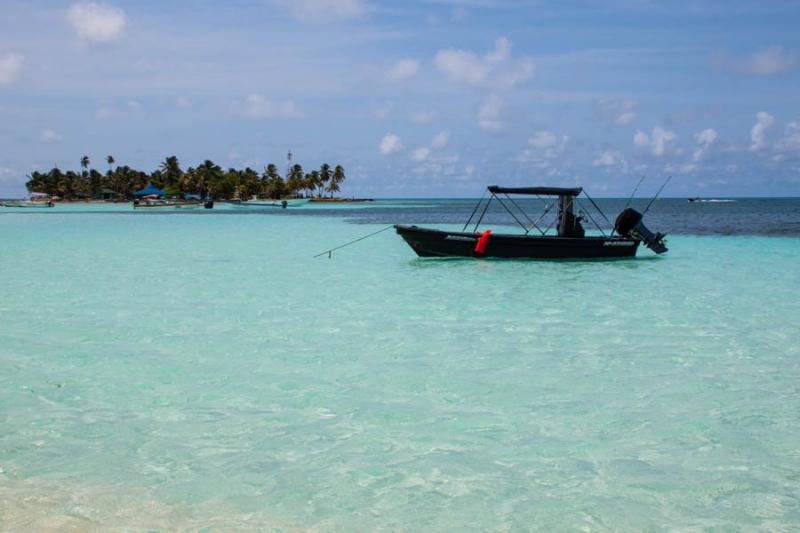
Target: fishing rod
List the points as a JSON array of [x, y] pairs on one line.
[[634, 193], [656, 196]]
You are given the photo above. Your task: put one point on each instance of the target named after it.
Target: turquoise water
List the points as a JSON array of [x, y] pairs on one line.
[[171, 373]]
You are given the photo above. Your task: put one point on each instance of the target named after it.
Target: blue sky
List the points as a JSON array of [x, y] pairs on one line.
[[414, 98]]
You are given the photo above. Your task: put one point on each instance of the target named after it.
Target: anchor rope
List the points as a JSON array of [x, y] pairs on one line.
[[329, 252]]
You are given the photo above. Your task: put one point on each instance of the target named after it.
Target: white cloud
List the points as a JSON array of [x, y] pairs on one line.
[[50, 136], [96, 22], [469, 169], [390, 144], [323, 10], [10, 66], [659, 141], [544, 139], [420, 154], [790, 142], [459, 13], [640, 138], [423, 117], [382, 111], [545, 146], [772, 60], [438, 166], [489, 113], [258, 107], [494, 70], [607, 159], [501, 52], [758, 133], [625, 118], [704, 139], [403, 69], [440, 140], [183, 102], [619, 111]]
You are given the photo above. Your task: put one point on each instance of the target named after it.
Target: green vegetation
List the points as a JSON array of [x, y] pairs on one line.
[[205, 179]]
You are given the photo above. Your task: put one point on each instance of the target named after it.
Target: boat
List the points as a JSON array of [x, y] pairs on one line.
[[36, 201], [569, 240], [282, 203], [161, 204]]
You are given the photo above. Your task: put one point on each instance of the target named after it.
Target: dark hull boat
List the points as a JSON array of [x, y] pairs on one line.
[[435, 243], [569, 241]]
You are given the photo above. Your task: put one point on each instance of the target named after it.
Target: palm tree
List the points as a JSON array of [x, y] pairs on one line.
[[294, 181], [324, 175], [337, 179], [110, 161], [85, 164], [171, 170]]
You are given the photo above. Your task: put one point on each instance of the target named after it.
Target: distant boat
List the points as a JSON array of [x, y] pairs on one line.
[[710, 200], [36, 201], [570, 240], [283, 203], [159, 204]]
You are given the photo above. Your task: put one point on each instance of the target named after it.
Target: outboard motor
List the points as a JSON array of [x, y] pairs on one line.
[[629, 224]]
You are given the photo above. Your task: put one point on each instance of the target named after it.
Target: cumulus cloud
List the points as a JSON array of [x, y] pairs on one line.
[[758, 134], [50, 136], [437, 166], [420, 154], [544, 139], [790, 142], [315, 11], [96, 22], [10, 66], [704, 140], [619, 111], [403, 69], [766, 62], [489, 113], [659, 141], [544, 146], [608, 158], [459, 13], [256, 106], [440, 140], [625, 118], [495, 69], [390, 144], [423, 117]]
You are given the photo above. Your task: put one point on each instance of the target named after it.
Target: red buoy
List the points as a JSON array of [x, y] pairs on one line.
[[480, 246]]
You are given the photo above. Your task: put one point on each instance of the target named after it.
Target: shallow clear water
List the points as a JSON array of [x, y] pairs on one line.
[[180, 372]]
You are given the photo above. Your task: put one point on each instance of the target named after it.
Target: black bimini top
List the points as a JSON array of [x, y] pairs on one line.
[[542, 191]]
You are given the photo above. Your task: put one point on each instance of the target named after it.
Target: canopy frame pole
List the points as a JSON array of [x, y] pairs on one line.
[[544, 214], [512, 214], [601, 213], [527, 230], [473, 212], [478, 223], [589, 214]]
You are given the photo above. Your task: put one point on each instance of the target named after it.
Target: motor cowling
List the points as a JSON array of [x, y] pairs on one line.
[[629, 224]]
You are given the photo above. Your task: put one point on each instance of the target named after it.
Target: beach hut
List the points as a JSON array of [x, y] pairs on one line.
[[149, 190], [105, 194]]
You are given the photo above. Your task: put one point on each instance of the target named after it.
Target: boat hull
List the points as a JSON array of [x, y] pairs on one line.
[[286, 202], [436, 243], [33, 205]]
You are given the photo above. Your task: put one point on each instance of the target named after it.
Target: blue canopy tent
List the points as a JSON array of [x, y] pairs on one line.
[[150, 189]]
